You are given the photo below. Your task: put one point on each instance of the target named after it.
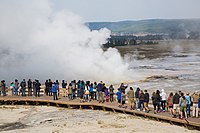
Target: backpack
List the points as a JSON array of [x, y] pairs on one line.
[[183, 103]]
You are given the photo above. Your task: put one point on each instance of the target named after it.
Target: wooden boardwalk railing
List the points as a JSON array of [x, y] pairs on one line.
[[191, 123]]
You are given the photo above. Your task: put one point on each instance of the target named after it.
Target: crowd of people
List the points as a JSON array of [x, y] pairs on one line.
[[178, 104]]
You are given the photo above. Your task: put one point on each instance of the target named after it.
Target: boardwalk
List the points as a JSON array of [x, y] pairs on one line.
[[191, 123]]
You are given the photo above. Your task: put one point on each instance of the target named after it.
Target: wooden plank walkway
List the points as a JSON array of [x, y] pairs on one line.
[[190, 123]]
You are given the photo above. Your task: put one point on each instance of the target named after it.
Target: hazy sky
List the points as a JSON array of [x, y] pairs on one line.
[[117, 10]]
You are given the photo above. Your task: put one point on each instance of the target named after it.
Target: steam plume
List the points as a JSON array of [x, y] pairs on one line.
[[38, 42]]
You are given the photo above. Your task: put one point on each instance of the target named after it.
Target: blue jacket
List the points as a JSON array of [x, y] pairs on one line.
[[188, 99], [91, 89], [199, 103], [54, 88], [118, 95]]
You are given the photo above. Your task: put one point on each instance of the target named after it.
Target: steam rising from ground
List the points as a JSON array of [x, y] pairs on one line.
[[38, 42]]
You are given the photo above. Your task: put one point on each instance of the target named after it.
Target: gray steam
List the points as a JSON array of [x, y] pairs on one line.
[[38, 42]]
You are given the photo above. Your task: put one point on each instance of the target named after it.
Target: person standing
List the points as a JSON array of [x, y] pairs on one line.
[[82, 90], [50, 87], [146, 101], [58, 87], [182, 106], [137, 93], [37, 87], [176, 104], [95, 91], [170, 103], [23, 87], [156, 101], [195, 98], [30, 85], [64, 85], [141, 101], [119, 97], [3, 88], [16, 87], [78, 88], [111, 93], [123, 98], [87, 93], [163, 96], [188, 100], [73, 89], [34, 88], [100, 92], [46, 87], [130, 95], [92, 91], [106, 92], [54, 90], [70, 91], [12, 85]]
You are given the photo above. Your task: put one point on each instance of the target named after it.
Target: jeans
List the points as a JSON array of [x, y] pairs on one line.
[[73, 94], [16, 90], [55, 97], [87, 97], [4, 92], [137, 103], [37, 93], [92, 95], [188, 110], [163, 104], [13, 91], [95, 95], [78, 93], [50, 92], [23, 92], [111, 97], [70, 96], [156, 105], [141, 105]]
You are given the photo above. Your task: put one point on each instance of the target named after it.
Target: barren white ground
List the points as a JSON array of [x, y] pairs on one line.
[[35, 119]]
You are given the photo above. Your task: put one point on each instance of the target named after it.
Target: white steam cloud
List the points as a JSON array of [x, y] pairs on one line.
[[38, 42]]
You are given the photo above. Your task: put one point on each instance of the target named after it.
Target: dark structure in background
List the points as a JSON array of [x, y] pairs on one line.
[[125, 40]]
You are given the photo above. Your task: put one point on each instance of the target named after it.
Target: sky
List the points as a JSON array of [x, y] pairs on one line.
[[119, 10]]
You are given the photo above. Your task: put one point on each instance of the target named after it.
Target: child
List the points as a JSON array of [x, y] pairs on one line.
[[119, 97]]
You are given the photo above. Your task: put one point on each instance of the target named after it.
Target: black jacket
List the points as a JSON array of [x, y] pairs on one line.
[[29, 84], [146, 97], [176, 99], [37, 85], [156, 98]]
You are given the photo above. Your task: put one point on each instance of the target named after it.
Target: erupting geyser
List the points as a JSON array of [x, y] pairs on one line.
[[38, 42]]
